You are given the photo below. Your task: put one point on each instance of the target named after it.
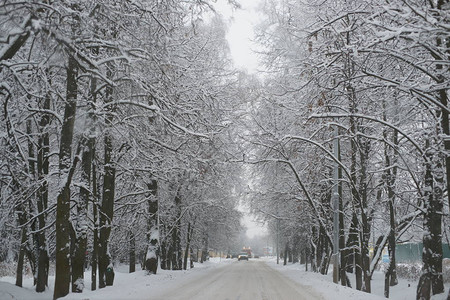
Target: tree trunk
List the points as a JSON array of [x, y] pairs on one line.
[[23, 241], [42, 199], [303, 256], [191, 260], [431, 279], [163, 255], [390, 179], [32, 253], [188, 246], [354, 226], [353, 259], [391, 274], [132, 253], [176, 235], [313, 249], [306, 257], [62, 271], [151, 258], [364, 146], [323, 257], [295, 250], [106, 269], [16, 44], [205, 249], [390, 278], [81, 222], [95, 189], [95, 242], [443, 98], [342, 249]]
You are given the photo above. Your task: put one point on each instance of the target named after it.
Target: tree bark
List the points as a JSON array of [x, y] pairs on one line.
[[33, 252], [342, 249], [364, 145], [205, 254], [62, 271], [151, 258], [443, 98], [15, 44], [23, 241], [354, 226], [81, 222], [431, 280], [390, 179], [42, 199], [191, 260], [132, 253], [106, 269], [163, 254], [95, 189], [188, 246], [95, 242], [176, 235]]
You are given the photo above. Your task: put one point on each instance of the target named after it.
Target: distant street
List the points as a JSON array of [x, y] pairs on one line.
[[244, 280]]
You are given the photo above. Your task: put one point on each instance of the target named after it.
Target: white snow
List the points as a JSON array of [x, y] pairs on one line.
[[139, 285], [150, 254], [36, 24], [404, 290]]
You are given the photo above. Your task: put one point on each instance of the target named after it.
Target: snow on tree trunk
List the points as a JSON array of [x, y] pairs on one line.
[[105, 267], [95, 218], [442, 8], [152, 255], [81, 221], [431, 281], [62, 270], [15, 43], [42, 198], [106, 271]]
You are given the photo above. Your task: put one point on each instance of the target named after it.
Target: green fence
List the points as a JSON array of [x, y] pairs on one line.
[[412, 252]]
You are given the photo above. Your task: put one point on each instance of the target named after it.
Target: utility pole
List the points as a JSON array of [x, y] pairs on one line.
[[335, 200]]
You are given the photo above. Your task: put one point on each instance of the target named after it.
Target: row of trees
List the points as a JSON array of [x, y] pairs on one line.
[[113, 126], [358, 91]]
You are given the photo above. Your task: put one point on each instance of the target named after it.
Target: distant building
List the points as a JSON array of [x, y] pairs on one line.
[[267, 251]]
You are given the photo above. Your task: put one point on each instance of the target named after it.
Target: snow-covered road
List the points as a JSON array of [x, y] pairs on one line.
[[242, 280]]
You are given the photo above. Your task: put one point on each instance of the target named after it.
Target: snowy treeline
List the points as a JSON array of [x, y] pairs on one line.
[[359, 90], [119, 120], [114, 122]]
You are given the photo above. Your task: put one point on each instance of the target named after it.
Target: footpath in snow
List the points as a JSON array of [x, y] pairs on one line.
[[139, 285]]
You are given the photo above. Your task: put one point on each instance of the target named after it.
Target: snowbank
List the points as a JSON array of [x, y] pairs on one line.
[[405, 290], [136, 286]]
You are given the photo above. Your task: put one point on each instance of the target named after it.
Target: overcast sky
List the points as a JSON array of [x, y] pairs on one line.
[[240, 31], [240, 35]]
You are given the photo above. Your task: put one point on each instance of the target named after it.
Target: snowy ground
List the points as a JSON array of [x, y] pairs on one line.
[[132, 286], [405, 290], [138, 285]]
